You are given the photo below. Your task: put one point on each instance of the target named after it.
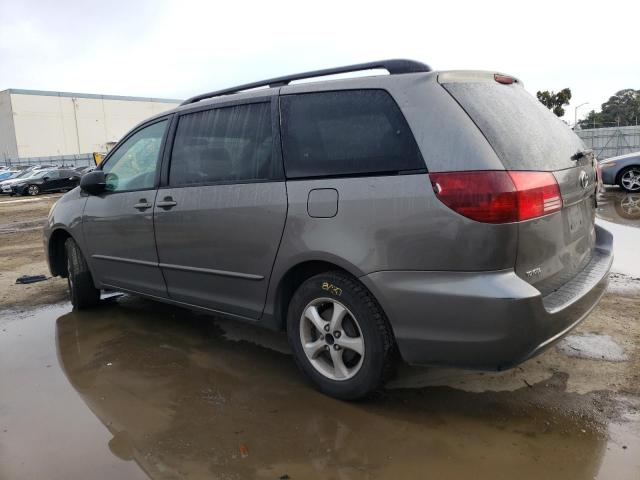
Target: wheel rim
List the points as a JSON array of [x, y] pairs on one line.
[[631, 179], [332, 339], [33, 190]]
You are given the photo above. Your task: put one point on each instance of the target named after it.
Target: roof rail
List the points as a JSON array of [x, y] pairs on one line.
[[394, 67]]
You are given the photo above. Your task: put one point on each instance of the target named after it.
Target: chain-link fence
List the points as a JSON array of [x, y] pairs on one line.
[[80, 160], [612, 141]]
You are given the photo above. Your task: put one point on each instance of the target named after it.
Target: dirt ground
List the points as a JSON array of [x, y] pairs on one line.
[[21, 253], [136, 389]]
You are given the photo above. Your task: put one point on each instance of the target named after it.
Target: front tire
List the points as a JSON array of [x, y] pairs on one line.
[[340, 336], [629, 179], [82, 292], [33, 190]]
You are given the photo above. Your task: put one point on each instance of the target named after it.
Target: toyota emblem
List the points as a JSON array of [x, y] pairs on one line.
[[584, 179]]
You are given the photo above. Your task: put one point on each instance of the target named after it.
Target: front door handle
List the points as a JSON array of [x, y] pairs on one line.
[[167, 203], [142, 204]]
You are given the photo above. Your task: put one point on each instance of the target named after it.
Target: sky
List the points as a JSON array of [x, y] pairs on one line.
[[176, 49]]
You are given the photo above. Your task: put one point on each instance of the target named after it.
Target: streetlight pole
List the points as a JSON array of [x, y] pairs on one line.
[[575, 114]]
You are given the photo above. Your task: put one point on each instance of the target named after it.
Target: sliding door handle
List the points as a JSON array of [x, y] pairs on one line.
[[167, 203], [142, 204]]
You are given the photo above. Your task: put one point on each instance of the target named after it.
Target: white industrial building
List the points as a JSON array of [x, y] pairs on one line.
[[42, 124]]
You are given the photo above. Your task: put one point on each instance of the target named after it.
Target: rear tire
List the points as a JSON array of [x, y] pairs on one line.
[[82, 291], [340, 336], [629, 179]]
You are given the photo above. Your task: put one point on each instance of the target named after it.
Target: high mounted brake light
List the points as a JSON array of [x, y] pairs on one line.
[[498, 196], [504, 79]]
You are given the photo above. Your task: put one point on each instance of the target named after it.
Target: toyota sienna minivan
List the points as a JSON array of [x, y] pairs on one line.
[[441, 218]]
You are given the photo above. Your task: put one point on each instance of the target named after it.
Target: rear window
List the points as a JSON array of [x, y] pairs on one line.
[[346, 132], [522, 131]]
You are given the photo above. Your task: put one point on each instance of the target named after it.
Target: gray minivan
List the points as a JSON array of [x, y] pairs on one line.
[[446, 218]]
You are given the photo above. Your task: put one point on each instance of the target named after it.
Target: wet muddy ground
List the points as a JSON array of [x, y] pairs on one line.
[[136, 389]]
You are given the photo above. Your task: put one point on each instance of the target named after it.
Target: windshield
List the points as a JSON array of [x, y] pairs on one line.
[[41, 174], [24, 174]]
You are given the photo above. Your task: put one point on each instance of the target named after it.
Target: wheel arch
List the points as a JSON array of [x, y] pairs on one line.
[[294, 276], [56, 252]]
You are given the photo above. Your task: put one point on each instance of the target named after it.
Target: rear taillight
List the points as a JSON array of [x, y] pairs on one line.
[[498, 196]]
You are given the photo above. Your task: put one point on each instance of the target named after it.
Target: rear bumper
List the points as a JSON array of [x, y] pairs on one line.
[[488, 320]]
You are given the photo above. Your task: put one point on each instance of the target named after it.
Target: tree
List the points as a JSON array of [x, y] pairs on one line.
[[555, 101], [622, 109]]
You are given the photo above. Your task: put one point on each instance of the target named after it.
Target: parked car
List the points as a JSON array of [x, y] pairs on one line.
[[7, 174], [5, 185], [84, 170], [623, 170], [366, 217], [54, 180]]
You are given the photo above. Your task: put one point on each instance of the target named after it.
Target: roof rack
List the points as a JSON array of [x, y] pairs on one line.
[[394, 67]]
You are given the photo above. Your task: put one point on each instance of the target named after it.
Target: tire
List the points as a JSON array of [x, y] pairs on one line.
[[333, 363], [629, 179], [32, 190], [82, 292]]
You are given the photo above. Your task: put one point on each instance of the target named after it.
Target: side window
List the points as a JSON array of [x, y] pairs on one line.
[[133, 165], [346, 132], [224, 145]]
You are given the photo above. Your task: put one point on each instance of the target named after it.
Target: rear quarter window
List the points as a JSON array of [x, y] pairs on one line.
[[344, 133]]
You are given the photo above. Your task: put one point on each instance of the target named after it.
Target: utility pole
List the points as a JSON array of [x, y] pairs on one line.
[[575, 114]]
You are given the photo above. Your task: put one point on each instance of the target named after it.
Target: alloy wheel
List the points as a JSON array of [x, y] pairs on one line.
[[631, 179], [332, 339]]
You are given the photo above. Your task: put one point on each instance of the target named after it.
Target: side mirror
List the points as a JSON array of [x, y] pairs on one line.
[[46, 178], [93, 182]]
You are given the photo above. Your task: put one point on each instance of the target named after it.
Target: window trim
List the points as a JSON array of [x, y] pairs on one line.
[[170, 121], [381, 173], [276, 146]]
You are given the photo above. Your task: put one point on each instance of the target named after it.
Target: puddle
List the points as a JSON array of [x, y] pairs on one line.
[[619, 212], [617, 206], [592, 346], [137, 389]]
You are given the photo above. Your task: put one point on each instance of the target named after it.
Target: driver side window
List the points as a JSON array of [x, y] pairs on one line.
[[133, 165]]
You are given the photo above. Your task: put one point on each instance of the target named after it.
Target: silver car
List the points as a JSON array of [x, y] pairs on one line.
[[441, 218], [623, 170]]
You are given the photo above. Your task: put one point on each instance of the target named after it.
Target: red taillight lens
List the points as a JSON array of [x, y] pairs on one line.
[[498, 196]]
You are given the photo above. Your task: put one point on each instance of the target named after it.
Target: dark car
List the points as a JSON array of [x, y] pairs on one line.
[[54, 180], [84, 170], [445, 216]]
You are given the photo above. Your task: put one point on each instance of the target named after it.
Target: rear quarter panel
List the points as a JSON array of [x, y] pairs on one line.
[[388, 223]]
